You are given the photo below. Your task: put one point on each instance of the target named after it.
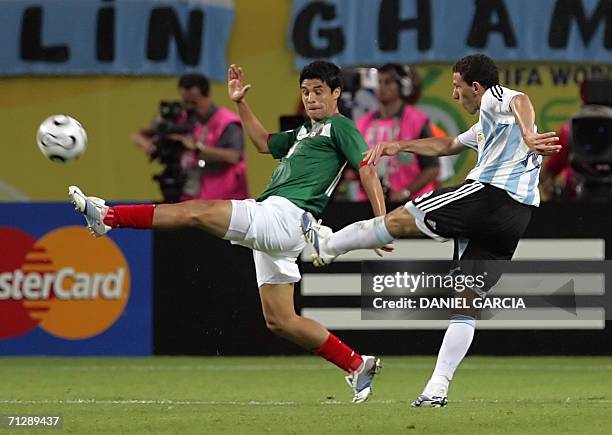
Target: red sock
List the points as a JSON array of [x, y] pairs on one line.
[[333, 350], [130, 216]]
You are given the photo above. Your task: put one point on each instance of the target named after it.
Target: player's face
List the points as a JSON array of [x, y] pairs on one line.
[[388, 88], [465, 94], [319, 100], [193, 100]]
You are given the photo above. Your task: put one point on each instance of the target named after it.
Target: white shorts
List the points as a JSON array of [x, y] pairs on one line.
[[272, 229]]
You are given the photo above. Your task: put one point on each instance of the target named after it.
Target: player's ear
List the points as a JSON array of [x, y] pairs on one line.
[[336, 93]]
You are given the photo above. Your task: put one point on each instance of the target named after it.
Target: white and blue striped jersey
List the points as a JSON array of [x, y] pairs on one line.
[[504, 159]]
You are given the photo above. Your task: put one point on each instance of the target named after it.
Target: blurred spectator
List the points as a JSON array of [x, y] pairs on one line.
[[406, 175], [200, 144]]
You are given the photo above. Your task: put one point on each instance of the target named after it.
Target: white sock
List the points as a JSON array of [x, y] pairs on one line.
[[455, 345], [359, 235]]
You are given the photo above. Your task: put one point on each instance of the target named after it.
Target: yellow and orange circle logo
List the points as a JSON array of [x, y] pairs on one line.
[[69, 284]]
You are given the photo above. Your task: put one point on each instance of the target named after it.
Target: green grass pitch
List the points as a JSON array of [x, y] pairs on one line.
[[295, 395]]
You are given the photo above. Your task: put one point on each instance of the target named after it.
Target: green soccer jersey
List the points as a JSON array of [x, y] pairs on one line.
[[312, 158]]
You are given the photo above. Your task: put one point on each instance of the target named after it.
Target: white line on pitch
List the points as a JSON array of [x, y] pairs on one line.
[[267, 403], [173, 402], [144, 402], [293, 367]]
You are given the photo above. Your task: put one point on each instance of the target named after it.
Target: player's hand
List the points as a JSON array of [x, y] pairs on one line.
[[373, 155], [235, 83], [387, 248], [545, 144]]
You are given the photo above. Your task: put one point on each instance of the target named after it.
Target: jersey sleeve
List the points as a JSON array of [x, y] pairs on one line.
[[469, 138], [349, 141], [279, 143], [507, 97], [496, 101]]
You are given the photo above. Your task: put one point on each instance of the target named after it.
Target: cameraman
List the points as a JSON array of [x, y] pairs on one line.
[[208, 161]]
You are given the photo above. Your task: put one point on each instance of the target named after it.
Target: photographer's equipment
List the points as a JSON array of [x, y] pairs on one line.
[[591, 142], [358, 95], [597, 92], [170, 110], [168, 151]]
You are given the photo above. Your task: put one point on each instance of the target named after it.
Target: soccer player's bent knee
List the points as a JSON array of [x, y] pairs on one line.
[[399, 224], [275, 325], [393, 225], [279, 326], [274, 328]]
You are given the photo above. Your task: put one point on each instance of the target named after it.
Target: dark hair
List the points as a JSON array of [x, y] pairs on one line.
[[477, 68], [407, 79], [188, 81], [327, 72]]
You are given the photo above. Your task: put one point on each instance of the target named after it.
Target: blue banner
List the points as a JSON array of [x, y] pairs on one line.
[[63, 292], [151, 37], [362, 32]]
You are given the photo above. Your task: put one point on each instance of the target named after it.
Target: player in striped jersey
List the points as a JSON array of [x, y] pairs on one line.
[[486, 215]]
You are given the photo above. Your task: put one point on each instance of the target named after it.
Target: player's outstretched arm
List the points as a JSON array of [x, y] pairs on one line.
[[371, 185], [431, 146], [237, 90], [524, 113]]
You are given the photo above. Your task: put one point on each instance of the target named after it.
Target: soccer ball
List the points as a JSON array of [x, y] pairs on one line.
[[61, 138]]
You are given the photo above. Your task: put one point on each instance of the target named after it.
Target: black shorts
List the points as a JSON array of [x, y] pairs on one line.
[[484, 222]]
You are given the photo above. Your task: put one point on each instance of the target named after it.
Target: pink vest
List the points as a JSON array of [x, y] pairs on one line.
[[229, 181], [404, 168]]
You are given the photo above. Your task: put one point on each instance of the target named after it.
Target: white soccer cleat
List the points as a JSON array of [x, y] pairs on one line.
[[92, 208], [434, 396], [316, 236], [361, 380], [424, 401]]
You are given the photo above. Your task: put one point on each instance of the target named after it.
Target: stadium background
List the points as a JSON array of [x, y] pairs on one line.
[[112, 107]]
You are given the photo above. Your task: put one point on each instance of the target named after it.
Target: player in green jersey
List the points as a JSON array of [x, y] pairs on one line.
[[312, 158]]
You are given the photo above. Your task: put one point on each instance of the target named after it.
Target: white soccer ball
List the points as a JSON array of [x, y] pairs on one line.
[[61, 138]]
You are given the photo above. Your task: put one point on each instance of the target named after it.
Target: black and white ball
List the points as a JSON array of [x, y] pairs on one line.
[[61, 138]]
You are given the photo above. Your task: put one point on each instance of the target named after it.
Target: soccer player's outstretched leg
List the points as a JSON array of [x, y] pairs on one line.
[[485, 216], [312, 158]]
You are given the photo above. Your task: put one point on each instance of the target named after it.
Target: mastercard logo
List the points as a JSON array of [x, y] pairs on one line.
[[67, 283]]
